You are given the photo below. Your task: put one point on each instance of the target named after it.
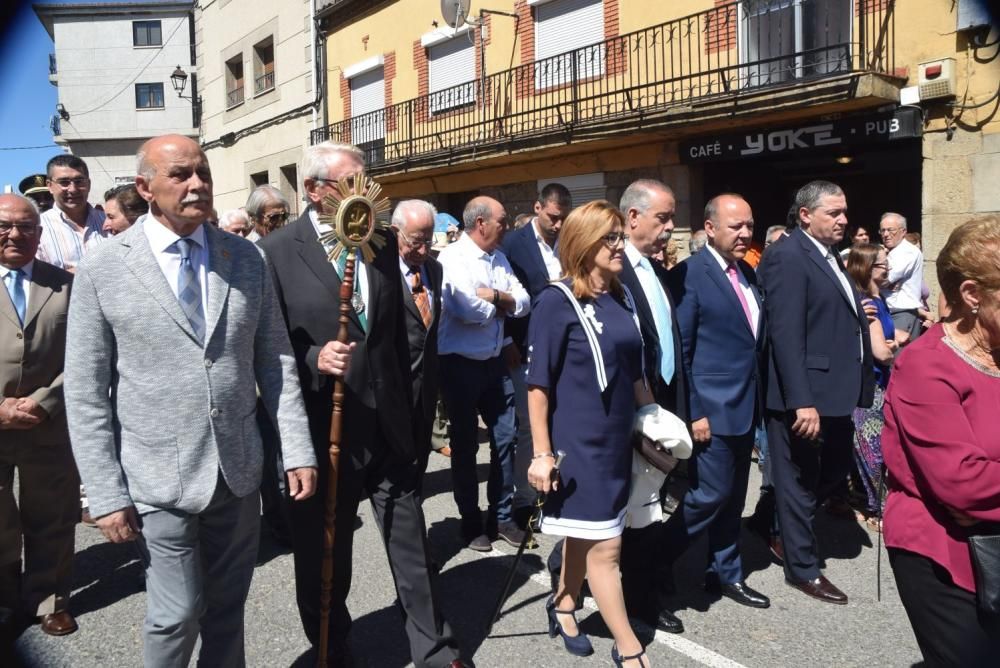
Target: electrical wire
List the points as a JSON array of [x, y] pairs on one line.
[[28, 148]]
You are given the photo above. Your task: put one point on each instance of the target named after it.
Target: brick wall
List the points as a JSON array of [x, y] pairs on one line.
[[720, 28]]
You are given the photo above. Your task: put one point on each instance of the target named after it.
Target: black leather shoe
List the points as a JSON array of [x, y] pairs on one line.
[[739, 592], [821, 589], [668, 621]]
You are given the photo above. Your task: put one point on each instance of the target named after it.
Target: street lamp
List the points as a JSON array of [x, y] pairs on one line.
[[179, 80]]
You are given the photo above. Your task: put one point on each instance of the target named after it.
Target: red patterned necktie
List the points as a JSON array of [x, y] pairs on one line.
[[420, 296]]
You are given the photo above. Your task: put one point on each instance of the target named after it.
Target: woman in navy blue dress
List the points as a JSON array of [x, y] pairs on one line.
[[584, 385]]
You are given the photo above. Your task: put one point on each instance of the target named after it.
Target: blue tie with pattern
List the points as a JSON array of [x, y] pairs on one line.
[[189, 290], [15, 287]]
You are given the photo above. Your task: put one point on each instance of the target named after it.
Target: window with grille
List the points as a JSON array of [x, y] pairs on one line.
[[234, 81], [451, 73], [568, 41], [263, 66], [149, 96], [147, 33], [368, 106]]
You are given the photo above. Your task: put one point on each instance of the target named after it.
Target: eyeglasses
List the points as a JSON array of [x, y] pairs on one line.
[[614, 238], [416, 243], [273, 218], [79, 182], [25, 229], [334, 182]]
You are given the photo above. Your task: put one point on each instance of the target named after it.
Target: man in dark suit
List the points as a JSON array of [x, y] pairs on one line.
[[379, 458], [533, 253], [33, 431], [820, 370], [421, 275], [719, 314], [649, 208]]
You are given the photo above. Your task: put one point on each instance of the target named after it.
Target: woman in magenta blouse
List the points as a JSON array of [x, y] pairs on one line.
[[942, 449]]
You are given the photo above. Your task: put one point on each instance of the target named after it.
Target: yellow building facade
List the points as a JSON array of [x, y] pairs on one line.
[[895, 100]]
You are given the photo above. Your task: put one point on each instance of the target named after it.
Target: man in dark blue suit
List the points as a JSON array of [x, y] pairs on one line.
[[820, 370], [533, 253], [721, 324]]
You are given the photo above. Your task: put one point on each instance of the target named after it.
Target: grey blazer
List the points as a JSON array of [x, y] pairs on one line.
[[153, 414]]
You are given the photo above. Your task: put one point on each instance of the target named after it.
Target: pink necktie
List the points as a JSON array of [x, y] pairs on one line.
[[731, 270]]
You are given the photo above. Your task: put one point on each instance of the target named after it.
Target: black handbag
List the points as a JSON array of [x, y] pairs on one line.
[[985, 550], [654, 453]]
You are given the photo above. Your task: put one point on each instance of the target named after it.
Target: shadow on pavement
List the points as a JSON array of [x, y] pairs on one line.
[[104, 574]]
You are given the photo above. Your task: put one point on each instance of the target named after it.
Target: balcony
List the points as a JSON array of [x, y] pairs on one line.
[[53, 70], [263, 83], [739, 53], [234, 97]]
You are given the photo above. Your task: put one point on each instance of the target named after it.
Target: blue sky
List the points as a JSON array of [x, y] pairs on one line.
[[31, 99]]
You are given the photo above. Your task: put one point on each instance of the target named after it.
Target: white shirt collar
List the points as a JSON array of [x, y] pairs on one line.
[[162, 237], [723, 262], [633, 254], [318, 226], [405, 268], [823, 248], [538, 235], [466, 245], [26, 269]]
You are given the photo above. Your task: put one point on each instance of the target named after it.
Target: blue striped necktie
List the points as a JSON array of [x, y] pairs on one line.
[[189, 289], [15, 287]]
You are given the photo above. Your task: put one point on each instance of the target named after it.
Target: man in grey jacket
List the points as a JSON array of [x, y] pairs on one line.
[[174, 327]]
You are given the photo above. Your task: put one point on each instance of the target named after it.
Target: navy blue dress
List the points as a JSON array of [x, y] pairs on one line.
[[593, 428]]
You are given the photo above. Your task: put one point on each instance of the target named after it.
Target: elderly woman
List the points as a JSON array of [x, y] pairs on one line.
[[942, 449], [584, 384], [268, 210], [235, 221], [122, 207]]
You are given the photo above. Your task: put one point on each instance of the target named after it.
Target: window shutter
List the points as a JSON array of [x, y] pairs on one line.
[[368, 106], [451, 64], [567, 25]]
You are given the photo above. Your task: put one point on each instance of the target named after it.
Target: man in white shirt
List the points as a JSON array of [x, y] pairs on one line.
[[71, 226], [902, 294], [480, 291], [533, 252]]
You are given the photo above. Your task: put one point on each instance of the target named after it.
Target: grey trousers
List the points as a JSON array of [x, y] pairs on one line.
[[198, 570]]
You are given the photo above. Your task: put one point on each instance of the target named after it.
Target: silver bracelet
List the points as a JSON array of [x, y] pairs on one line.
[[543, 454]]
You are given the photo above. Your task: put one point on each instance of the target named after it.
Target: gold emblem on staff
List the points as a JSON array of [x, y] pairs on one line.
[[350, 211]]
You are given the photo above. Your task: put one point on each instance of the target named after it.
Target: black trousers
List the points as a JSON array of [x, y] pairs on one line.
[[391, 484], [949, 629], [804, 474]]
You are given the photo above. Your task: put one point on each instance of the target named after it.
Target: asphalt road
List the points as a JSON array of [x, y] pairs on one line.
[[109, 603]]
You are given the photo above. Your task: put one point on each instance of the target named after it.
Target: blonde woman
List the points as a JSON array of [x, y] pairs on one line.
[[584, 385]]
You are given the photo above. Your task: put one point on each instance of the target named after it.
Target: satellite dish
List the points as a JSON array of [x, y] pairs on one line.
[[455, 12]]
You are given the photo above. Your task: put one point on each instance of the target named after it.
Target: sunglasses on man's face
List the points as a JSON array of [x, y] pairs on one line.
[[79, 182], [273, 218]]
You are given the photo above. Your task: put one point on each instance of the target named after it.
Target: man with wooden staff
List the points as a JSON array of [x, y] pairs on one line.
[[378, 458]]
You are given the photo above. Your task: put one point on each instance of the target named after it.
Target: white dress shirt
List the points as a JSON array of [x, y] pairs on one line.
[[360, 271], [744, 287], [62, 244], [550, 254], [845, 284], [906, 277], [163, 243], [469, 325], [27, 271], [407, 273]]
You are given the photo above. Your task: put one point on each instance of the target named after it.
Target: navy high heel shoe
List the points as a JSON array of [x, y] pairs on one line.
[[620, 660], [578, 645]]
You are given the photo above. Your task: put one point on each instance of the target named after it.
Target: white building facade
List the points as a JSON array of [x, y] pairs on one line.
[[112, 65], [258, 96]]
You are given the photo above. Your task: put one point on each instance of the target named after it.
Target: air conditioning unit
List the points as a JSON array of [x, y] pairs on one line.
[[936, 79]]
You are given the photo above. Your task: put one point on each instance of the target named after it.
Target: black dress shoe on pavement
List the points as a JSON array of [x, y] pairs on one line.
[[739, 592], [668, 621], [821, 589]]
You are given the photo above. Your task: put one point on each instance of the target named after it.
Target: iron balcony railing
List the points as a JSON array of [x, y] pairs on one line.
[[734, 48], [263, 83], [52, 64], [234, 97]]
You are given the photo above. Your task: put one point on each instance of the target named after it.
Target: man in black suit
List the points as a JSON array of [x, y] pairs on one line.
[[649, 208], [820, 370], [421, 274], [533, 253], [379, 458]]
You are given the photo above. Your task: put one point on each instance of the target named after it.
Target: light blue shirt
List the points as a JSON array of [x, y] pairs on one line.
[[657, 299], [7, 278], [163, 243]]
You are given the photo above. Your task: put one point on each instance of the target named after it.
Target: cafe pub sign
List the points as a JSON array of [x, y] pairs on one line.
[[854, 131]]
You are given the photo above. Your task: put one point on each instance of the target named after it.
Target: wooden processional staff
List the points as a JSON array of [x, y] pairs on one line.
[[350, 212]]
